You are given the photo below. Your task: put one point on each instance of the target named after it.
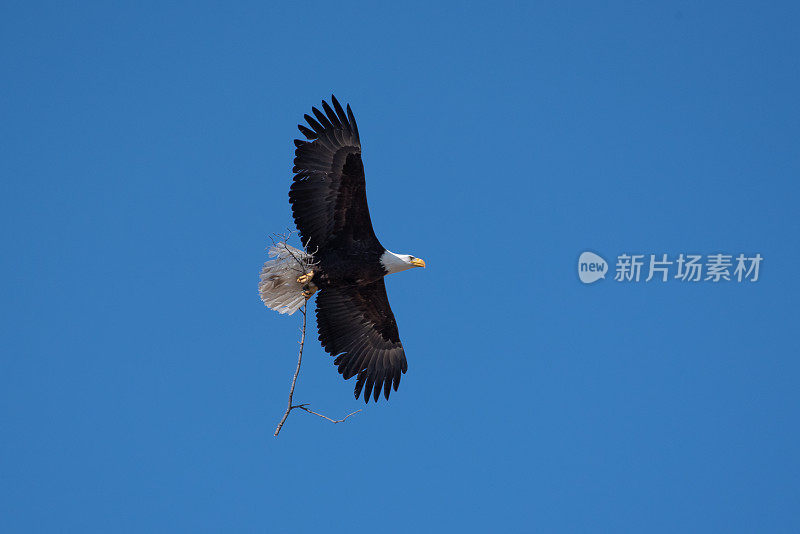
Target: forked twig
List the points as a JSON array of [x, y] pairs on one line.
[[289, 405], [303, 407]]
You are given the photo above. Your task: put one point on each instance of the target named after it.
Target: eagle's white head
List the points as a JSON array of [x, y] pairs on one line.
[[394, 263]]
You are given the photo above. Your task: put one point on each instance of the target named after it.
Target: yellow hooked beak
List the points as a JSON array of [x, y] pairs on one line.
[[418, 262]]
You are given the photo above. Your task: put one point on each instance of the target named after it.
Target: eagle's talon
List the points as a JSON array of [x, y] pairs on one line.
[[305, 278], [308, 291]]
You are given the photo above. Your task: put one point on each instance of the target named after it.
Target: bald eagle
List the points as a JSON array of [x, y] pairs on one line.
[[343, 258]]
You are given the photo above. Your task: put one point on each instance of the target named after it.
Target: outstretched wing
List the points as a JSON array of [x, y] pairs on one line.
[[357, 326], [328, 196]]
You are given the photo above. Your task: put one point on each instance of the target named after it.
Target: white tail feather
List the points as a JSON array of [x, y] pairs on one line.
[[279, 288]]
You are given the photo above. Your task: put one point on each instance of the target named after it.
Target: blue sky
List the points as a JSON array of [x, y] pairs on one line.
[[146, 156]]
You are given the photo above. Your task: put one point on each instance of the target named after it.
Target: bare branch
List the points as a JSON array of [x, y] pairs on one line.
[[289, 406], [305, 264], [303, 407]]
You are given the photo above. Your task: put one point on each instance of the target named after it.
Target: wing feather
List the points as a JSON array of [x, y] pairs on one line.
[[339, 111], [331, 114], [323, 120], [352, 120], [317, 127]]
